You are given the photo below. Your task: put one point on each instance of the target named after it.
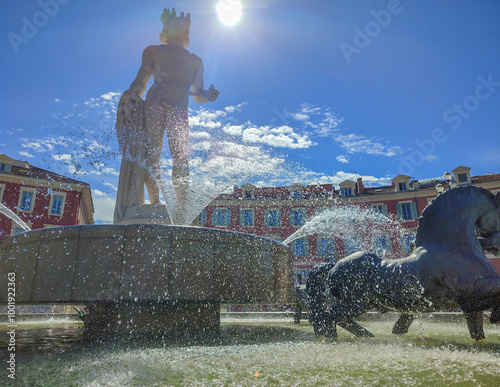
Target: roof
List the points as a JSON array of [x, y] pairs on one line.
[[18, 169]]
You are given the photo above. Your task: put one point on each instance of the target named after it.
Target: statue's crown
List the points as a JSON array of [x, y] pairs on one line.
[[167, 16]]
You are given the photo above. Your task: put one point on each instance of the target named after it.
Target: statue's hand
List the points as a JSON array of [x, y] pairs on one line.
[[213, 93]]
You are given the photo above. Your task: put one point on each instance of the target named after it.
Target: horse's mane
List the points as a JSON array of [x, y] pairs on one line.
[[427, 216]]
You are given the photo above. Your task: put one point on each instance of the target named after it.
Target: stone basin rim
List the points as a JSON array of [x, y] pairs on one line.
[[62, 232]]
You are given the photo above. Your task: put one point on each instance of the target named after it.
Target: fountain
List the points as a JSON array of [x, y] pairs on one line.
[[446, 270], [150, 274], [144, 276], [12, 215]]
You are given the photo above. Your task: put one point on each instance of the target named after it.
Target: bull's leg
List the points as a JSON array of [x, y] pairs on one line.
[[403, 323], [322, 324], [475, 324], [298, 314], [356, 329], [495, 315]]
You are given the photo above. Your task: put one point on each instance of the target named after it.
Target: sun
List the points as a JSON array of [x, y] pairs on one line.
[[229, 11]]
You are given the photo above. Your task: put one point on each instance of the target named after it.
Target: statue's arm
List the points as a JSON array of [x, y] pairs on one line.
[[138, 86], [200, 95]]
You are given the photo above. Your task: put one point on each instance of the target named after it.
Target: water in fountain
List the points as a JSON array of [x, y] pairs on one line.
[[218, 163], [432, 353], [218, 160], [10, 214], [349, 220]]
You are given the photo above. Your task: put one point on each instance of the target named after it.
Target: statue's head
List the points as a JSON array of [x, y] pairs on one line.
[[175, 29]]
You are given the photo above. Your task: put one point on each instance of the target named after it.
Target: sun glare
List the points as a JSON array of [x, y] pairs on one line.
[[229, 11]]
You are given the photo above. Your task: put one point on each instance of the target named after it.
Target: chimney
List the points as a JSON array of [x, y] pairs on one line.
[[360, 185]]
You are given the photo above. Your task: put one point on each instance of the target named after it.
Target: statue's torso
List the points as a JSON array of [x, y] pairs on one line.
[[173, 70]]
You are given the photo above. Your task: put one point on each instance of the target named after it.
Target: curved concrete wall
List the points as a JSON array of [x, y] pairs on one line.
[[81, 264]]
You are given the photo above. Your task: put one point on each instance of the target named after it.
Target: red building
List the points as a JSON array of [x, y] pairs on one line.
[[41, 198], [278, 212]]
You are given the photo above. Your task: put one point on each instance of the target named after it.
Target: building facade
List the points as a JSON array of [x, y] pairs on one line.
[[41, 198], [278, 212]]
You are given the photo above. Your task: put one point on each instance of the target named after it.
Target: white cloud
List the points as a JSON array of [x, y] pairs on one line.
[[355, 143], [57, 100], [62, 157], [232, 109], [300, 116], [112, 186], [199, 135], [283, 137], [201, 146], [206, 118], [110, 96], [104, 206], [233, 130], [25, 154], [342, 158]]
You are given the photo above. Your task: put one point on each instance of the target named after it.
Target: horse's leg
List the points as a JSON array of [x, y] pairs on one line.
[[475, 324], [403, 323], [356, 329], [495, 315]]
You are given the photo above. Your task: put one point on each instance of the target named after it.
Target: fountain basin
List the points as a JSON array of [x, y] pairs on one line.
[[128, 270]]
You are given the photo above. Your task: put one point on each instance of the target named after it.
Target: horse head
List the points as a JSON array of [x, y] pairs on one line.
[[488, 227]]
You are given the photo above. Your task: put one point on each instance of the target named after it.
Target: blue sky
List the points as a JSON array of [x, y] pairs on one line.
[[333, 89]]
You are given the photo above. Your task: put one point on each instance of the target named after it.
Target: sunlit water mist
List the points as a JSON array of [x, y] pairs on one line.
[[219, 158], [10, 214], [347, 221], [218, 163]]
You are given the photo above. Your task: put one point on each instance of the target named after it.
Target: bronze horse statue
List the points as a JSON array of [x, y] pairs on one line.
[[447, 269]]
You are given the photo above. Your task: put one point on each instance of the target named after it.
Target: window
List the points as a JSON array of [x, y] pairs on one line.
[[298, 217], [26, 199], [407, 211], [402, 186], [272, 218], [246, 217], [462, 178], [300, 247], [2, 189], [326, 247], [351, 245], [346, 191], [296, 195], [56, 206], [5, 168], [203, 217], [406, 242], [380, 209], [17, 230], [221, 217], [248, 195], [382, 244]]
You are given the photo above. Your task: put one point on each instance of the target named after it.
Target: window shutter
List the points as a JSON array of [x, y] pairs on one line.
[[266, 217], [278, 215], [292, 217], [384, 210], [414, 213], [342, 192], [399, 211], [227, 218]]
